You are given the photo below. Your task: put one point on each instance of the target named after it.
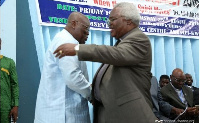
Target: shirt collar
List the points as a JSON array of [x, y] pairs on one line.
[[71, 37], [175, 88], [126, 34]]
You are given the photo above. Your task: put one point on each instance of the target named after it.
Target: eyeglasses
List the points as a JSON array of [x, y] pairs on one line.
[[179, 80], [109, 20], [86, 27]]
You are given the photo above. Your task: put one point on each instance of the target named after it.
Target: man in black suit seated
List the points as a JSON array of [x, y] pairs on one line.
[[161, 108], [194, 89], [179, 95]]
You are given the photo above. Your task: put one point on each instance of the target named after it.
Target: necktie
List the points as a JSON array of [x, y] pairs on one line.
[[99, 78], [118, 41]]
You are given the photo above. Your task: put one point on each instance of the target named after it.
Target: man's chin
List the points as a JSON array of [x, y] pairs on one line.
[[180, 86], [112, 32], [82, 42], [113, 35]]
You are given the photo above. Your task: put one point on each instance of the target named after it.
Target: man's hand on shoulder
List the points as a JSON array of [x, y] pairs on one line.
[[66, 49]]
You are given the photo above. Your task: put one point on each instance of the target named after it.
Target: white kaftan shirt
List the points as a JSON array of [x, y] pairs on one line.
[[64, 87]]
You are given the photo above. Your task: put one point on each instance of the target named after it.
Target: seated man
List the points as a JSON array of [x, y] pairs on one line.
[[179, 96], [164, 80], [194, 89], [161, 108]]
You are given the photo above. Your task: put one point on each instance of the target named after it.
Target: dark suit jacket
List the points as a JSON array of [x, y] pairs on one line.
[[171, 96], [125, 86], [196, 95]]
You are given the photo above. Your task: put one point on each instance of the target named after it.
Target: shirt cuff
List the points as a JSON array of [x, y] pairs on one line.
[[76, 48]]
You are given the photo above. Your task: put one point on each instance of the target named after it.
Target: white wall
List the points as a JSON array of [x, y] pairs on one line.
[[8, 28]]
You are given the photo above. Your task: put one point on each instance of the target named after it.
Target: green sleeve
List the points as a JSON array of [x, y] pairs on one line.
[[14, 84]]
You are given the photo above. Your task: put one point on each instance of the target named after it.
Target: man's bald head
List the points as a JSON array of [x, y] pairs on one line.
[[178, 78], [77, 16], [78, 26], [177, 71]]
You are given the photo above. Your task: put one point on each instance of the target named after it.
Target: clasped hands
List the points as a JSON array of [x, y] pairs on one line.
[[66, 49], [191, 111]]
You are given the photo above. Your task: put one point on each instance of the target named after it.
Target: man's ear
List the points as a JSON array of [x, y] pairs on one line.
[[129, 22], [74, 23]]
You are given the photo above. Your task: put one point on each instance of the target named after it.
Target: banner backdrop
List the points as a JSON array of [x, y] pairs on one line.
[[1, 2], [178, 18]]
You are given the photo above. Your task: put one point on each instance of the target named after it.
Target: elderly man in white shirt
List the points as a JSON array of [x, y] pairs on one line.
[[64, 89]]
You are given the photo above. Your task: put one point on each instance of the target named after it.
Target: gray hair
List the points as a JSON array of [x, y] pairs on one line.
[[129, 11]]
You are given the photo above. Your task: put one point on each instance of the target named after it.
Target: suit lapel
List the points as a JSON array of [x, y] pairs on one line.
[[118, 41], [173, 92], [187, 97], [94, 79]]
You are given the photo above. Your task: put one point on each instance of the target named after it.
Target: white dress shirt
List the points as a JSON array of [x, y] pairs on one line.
[[180, 94], [64, 87]]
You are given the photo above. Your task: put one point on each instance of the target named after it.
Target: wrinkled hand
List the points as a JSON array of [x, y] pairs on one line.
[[177, 111], [191, 111], [14, 113], [66, 49]]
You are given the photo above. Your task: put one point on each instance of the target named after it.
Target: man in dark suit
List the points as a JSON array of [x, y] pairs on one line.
[[195, 90], [179, 95], [121, 87], [161, 108]]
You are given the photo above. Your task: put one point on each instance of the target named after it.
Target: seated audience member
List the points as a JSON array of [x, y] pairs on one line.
[[161, 108], [194, 89], [164, 80], [179, 95]]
